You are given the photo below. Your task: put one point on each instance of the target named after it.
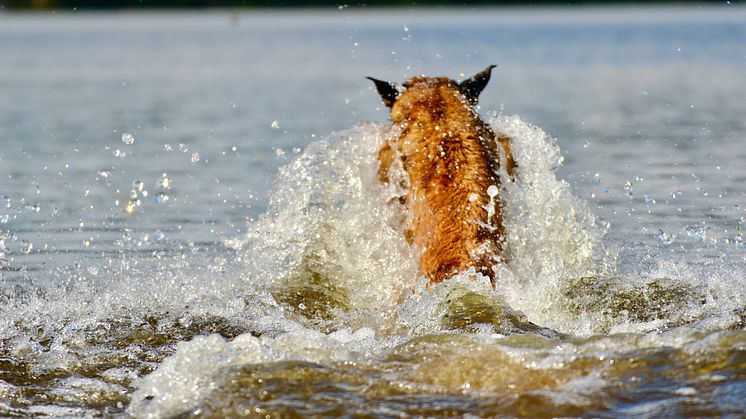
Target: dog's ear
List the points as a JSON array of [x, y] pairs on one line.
[[388, 91], [472, 87]]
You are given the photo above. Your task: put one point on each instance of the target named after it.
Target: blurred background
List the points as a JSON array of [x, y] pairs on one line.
[[113, 4]]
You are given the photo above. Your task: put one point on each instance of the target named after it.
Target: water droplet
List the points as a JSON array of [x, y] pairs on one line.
[[4, 219], [132, 206], [183, 147], [167, 147], [128, 138], [697, 232], [628, 188], [161, 197], [138, 185], [165, 181], [275, 124], [104, 174], [195, 157], [26, 247], [663, 238], [279, 152], [492, 191]]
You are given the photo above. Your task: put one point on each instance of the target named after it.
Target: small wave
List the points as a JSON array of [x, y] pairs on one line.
[[331, 250], [321, 296]]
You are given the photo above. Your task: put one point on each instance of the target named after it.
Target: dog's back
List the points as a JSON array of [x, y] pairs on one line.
[[452, 160]]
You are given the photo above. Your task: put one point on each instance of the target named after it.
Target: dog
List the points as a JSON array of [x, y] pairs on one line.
[[452, 160]]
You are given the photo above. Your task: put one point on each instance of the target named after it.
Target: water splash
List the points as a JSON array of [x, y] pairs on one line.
[[322, 291]]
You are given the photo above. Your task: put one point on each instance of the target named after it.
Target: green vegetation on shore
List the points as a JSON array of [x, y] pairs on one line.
[[174, 4]]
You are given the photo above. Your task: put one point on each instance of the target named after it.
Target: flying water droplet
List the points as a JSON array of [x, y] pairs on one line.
[[697, 232], [138, 185], [663, 238], [132, 205], [161, 198], [628, 188], [195, 157], [165, 181], [128, 138]]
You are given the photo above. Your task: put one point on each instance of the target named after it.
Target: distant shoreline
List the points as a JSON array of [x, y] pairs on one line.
[[133, 5]]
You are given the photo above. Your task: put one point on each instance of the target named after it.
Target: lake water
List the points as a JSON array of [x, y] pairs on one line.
[[190, 219]]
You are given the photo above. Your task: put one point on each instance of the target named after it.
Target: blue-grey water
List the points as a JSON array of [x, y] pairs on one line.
[[138, 153]]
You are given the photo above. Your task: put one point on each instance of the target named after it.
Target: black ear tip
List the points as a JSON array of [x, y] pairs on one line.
[[387, 90]]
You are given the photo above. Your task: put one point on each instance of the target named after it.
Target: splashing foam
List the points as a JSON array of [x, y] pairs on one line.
[[330, 243], [552, 236], [331, 249], [326, 277]]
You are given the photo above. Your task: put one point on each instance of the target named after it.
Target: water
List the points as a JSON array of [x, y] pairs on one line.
[[191, 222]]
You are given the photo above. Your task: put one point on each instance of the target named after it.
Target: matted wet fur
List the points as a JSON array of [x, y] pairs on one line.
[[451, 158]]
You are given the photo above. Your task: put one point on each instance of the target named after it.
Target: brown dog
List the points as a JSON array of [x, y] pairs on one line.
[[451, 158]]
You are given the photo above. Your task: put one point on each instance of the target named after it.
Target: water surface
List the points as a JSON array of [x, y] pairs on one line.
[[153, 261]]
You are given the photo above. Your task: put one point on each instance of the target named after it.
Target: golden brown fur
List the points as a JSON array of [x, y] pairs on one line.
[[451, 158]]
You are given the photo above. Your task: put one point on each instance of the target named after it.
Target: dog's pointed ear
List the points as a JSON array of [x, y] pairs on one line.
[[388, 91], [472, 87]]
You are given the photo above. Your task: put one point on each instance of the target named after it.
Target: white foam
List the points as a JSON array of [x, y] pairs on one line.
[[329, 216], [200, 365], [329, 213], [551, 234], [331, 221]]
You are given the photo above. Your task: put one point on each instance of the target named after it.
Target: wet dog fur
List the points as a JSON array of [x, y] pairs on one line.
[[452, 159]]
